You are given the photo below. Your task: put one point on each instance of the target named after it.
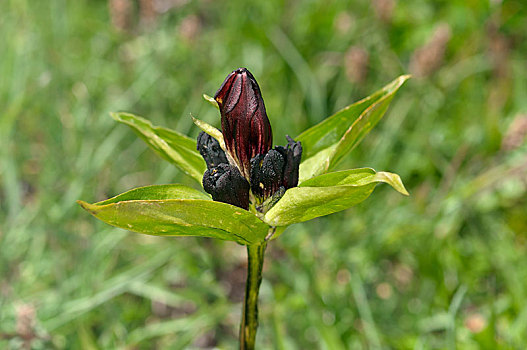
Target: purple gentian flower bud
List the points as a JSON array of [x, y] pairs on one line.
[[246, 129], [249, 165]]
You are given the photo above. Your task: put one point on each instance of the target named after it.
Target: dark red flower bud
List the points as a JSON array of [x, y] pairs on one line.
[[225, 183], [249, 165], [246, 129]]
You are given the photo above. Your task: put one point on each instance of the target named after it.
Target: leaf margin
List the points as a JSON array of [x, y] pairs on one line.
[[297, 205], [327, 157], [165, 148]]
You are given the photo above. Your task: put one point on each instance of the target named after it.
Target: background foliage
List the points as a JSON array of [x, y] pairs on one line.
[[444, 267]]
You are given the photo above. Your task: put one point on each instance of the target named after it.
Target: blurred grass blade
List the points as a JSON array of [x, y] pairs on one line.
[[98, 295], [326, 143], [172, 146], [328, 193], [361, 300], [177, 210], [184, 330]]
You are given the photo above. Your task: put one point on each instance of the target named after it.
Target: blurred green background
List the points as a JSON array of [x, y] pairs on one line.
[[443, 268]]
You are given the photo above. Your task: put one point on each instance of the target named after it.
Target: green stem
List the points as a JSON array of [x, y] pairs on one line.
[[249, 324]]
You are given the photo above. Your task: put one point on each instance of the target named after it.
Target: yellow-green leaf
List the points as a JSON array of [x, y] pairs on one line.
[[330, 140], [177, 210], [172, 146], [327, 194]]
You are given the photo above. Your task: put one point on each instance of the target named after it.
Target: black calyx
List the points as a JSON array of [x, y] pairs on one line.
[[225, 183], [267, 173], [210, 150], [271, 174], [277, 169], [293, 154], [222, 180]]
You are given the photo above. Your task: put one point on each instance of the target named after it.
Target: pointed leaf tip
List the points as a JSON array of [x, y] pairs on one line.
[[171, 145], [82, 203], [393, 180], [326, 143], [211, 100]]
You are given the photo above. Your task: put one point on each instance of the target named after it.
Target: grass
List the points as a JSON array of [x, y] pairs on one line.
[[444, 268]]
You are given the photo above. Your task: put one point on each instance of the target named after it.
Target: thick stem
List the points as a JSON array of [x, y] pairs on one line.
[[249, 324]]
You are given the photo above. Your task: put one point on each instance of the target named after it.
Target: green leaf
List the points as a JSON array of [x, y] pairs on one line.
[[177, 210], [172, 146], [315, 165], [327, 194], [157, 192], [326, 143]]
